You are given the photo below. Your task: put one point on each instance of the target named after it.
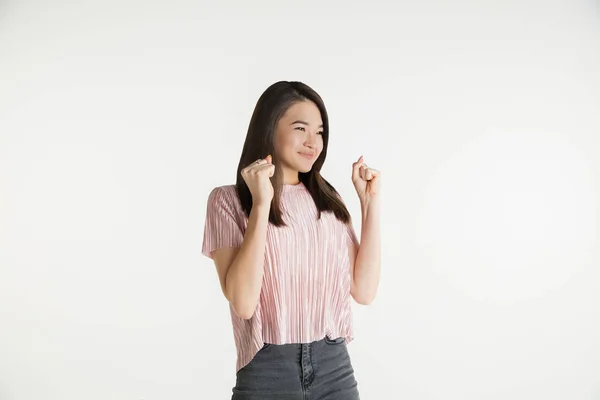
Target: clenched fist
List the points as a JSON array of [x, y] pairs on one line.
[[257, 176]]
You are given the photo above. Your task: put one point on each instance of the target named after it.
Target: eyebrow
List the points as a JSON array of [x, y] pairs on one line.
[[303, 123]]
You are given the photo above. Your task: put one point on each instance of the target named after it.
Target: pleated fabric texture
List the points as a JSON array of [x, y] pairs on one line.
[[305, 294]]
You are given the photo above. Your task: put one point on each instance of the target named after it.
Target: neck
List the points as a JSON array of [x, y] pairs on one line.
[[291, 178]]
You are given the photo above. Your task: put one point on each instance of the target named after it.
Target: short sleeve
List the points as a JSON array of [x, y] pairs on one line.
[[351, 237], [221, 227], [351, 234]]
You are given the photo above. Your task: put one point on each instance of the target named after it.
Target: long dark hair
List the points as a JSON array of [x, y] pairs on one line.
[[271, 106]]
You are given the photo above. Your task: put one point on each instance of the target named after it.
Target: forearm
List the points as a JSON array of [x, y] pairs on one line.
[[245, 275], [368, 259]]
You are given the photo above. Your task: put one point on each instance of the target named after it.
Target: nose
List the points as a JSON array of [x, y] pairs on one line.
[[311, 142]]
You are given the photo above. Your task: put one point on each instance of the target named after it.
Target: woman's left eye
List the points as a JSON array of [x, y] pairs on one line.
[[303, 129]]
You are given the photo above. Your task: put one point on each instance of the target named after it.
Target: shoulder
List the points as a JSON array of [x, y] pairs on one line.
[[225, 196], [226, 190]]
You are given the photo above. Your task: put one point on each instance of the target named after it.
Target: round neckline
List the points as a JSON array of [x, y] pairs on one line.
[[293, 187]]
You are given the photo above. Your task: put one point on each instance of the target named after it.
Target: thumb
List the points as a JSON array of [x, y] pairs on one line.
[[356, 169]]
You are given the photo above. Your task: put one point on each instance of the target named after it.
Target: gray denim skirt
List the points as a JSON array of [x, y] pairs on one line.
[[318, 370]]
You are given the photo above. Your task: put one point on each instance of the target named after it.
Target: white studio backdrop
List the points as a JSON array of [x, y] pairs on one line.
[[117, 118]]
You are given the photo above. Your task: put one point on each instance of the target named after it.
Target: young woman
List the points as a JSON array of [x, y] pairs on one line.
[[287, 256]]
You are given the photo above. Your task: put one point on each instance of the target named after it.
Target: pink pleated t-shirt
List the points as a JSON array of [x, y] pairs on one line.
[[305, 293]]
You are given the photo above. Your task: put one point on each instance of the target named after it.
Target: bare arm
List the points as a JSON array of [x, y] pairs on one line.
[[365, 261], [241, 269]]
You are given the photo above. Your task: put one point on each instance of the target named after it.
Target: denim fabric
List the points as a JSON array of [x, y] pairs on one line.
[[319, 370]]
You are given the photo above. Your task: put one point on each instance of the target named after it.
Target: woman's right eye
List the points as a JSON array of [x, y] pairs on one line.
[[300, 127]]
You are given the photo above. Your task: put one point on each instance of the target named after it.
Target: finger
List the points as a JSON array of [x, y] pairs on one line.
[[264, 167], [373, 174], [250, 168], [363, 171], [356, 168], [256, 164], [268, 169]]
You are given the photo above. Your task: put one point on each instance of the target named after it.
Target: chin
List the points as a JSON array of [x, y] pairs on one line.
[[304, 167]]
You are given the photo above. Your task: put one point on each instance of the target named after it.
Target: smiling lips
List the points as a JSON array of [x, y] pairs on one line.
[[310, 156]]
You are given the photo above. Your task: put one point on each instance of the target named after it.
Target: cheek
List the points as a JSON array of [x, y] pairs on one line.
[[285, 146], [290, 143]]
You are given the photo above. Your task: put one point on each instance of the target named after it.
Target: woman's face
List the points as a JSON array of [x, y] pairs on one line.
[[298, 140]]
